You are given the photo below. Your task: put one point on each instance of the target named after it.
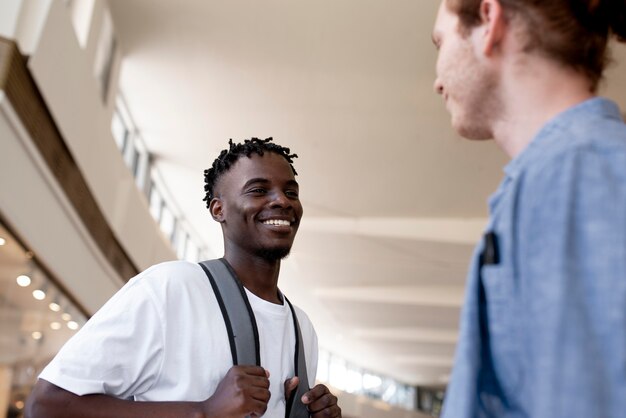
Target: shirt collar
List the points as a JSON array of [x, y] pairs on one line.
[[545, 138]]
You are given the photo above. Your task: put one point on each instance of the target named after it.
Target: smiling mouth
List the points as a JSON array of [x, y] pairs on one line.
[[277, 222]]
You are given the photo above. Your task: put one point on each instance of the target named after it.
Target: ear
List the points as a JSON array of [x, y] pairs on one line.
[[493, 26], [216, 207]]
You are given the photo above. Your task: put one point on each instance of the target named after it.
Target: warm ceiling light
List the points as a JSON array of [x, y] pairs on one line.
[[54, 307], [73, 325], [66, 316], [36, 335], [19, 405], [23, 280], [41, 291], [2, 241], [55, 325]]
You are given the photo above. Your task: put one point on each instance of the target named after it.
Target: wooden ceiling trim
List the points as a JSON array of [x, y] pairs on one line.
[[29, 105]]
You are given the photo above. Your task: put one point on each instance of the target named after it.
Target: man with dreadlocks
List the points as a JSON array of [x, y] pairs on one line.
[[159, 348], [543, 328]]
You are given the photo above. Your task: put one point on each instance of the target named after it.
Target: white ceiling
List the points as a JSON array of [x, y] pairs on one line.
[[393, 198]]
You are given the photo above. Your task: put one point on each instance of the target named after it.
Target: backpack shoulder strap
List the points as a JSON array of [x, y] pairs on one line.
[[243, 334], [295, 407]]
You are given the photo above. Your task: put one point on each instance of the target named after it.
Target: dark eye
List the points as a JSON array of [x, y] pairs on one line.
[[257, 190], [292, 193]]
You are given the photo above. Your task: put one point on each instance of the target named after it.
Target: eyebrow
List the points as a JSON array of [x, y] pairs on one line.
[[255, 180], [265, 181]]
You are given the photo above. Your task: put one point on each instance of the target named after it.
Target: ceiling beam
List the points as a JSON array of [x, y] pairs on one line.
[[438, 296], [408, 334], [444, 230], [429, 361]]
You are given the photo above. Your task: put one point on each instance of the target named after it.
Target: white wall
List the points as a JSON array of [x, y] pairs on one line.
[[9, 17], [37, 208], [35, 205], [22, 20], [64, 74]]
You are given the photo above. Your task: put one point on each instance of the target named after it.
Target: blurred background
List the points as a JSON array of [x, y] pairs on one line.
[[111, 110]]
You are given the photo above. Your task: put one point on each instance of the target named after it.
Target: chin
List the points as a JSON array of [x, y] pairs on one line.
[[274, 254], [477, 137], [473, 132]]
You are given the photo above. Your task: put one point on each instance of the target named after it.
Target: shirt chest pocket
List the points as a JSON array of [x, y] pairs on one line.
[[504, 319]]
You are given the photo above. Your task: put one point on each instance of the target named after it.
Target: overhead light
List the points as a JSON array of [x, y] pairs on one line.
[[36, 335], [23, 280], [55, 306], [73, 325], [2, 241], [65, 316], [55, 325], [39, 294]]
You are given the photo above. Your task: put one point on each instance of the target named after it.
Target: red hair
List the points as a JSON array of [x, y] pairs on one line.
[[572, 32]]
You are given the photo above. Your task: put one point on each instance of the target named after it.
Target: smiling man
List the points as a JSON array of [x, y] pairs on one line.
[[160, 346], [543, 328]]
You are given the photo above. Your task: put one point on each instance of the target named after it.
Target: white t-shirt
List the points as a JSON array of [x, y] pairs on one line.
[[162, 337]]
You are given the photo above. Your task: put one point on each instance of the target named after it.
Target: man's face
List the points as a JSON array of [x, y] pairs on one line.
[[260, 206], [466, 84]]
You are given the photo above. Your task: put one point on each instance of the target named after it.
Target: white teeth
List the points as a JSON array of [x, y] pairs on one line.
[[277, 222]]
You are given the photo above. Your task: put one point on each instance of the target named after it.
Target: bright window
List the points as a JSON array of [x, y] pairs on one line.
[[82, 12], [119, 130], [168, 222], [344, 376], [156, 203], [162, 208]]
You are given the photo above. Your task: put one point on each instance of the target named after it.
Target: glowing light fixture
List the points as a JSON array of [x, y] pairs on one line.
[[73, 325], [55, 325], [36, 335], [65, 316], [41, 292], [55, 306], [23, 280], [2, 241]]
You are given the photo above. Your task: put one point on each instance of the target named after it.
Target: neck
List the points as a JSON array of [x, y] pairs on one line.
[[258, 275], [538, 90]]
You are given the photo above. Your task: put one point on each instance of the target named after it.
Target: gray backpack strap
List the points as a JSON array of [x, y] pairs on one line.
[[295, 407], [243, 334]]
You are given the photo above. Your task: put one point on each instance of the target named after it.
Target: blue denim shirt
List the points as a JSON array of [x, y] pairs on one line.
[[543, 330]]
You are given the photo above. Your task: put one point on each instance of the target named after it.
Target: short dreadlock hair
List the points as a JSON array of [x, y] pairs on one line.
[[229, 156]]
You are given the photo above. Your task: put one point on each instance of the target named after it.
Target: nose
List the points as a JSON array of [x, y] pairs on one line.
[[280, 199], [438, 86]]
